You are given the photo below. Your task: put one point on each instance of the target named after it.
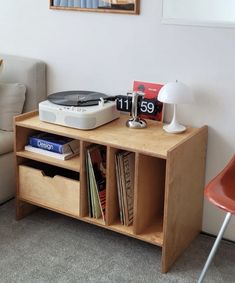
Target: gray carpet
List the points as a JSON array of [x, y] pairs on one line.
[[49, 247]]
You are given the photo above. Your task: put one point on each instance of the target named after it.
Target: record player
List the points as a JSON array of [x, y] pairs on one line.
[[83, 110]]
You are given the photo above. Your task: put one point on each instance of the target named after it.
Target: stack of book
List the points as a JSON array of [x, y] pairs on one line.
[[53, 145], [125, 171], [96, 180]]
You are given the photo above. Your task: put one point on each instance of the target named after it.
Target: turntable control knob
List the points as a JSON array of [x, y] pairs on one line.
[[101, 102]]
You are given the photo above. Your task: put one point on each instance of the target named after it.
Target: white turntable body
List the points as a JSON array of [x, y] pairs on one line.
[[84, 118]]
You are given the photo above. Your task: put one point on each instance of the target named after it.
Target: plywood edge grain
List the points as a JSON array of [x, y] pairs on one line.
[[24, 116], [185, 177]]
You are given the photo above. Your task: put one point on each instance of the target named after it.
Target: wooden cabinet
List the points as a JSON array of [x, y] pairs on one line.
[[168, 183]]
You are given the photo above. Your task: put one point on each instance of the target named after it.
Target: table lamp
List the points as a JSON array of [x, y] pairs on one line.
[[175, 93]]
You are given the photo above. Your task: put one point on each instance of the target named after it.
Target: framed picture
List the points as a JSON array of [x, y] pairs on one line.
[[109, 6]]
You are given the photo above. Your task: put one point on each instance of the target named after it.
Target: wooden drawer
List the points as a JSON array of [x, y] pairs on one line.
[[57, 193]]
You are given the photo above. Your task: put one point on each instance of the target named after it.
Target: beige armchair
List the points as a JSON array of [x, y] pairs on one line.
[[31, 73]]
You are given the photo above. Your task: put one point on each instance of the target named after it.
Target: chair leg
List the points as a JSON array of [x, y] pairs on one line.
[[215, 246]]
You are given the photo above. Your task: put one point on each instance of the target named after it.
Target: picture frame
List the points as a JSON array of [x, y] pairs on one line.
[[131, 7]]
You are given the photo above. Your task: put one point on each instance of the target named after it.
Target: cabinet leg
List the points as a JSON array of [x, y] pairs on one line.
[[23, 209], [165, 262]]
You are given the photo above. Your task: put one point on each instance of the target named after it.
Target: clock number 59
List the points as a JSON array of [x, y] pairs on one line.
[[147, 107]]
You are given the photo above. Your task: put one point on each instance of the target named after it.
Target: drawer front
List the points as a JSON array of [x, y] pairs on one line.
[[57, 193]]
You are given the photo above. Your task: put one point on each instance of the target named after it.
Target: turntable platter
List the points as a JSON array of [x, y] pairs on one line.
[[76, 98]]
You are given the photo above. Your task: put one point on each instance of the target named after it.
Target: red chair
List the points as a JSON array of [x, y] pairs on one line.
[[221, 192]]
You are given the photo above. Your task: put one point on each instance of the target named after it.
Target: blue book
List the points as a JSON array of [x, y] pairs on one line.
[[77, 3], [89, 4], [83, 3], [54, 143], [56, 3], [70, 3], [95, 4]]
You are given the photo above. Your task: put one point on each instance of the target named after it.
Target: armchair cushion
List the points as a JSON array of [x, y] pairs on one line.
[[12, 97], [6, 142]]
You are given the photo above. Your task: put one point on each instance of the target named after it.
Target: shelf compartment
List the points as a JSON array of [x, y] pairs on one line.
[[113, 209], [22, 135], [70, 164], [149, 196], [58, 193], [97, 153], [153, 234], [113, 214]]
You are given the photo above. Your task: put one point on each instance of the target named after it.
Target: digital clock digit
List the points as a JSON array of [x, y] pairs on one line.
[[124, 103], [145, 106]]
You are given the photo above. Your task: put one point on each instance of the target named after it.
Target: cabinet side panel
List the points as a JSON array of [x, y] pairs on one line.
[[185, 175], [20, 139]]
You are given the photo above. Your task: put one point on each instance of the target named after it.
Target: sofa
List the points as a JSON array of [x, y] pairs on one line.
[[31, 73]]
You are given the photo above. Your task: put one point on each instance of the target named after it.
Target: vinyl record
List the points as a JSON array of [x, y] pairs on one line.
[[76, 98]]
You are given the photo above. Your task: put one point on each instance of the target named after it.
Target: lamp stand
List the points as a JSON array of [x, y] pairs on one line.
[[174, 127]]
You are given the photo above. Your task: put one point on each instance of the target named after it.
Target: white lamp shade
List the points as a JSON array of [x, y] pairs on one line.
[[175, 93]]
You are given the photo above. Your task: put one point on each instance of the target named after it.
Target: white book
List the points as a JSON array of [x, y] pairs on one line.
[[63, 156]]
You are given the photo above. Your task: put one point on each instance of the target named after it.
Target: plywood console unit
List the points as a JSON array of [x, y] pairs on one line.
[[168, 186]]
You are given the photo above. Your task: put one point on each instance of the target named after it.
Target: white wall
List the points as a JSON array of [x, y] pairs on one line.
[[106, 52], [200, 10]]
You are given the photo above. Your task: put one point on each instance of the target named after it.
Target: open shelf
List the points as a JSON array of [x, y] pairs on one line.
[[70, 164], [149, 197], [153, 234]]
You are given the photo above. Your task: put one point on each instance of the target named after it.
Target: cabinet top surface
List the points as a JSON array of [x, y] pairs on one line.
[[152, 140]]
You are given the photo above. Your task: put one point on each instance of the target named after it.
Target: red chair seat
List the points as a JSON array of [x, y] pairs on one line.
[[221, 190]]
